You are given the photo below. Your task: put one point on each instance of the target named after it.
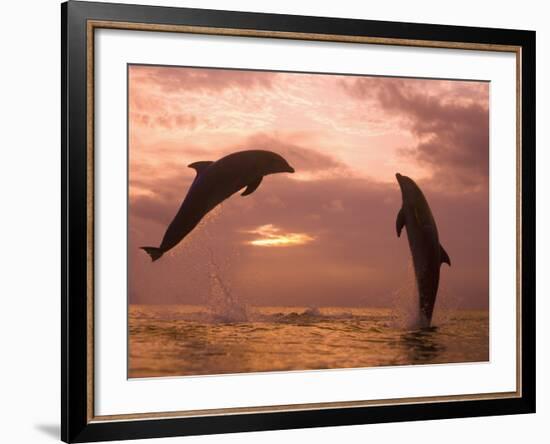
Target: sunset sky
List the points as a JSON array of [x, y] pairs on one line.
[[326, 234]]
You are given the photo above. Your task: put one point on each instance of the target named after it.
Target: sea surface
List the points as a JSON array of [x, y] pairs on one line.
[[182, 340]]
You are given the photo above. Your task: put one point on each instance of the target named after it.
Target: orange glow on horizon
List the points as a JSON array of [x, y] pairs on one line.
[[271, 236]]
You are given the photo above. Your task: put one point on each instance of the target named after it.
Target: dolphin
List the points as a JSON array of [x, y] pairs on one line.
[[427, 253], [215, 182]]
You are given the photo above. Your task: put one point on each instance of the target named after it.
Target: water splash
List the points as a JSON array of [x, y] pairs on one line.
[[222, 303], [406, 302], [312, 311], [207, 262]]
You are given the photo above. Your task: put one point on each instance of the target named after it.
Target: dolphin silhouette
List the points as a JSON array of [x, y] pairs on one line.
[[215, 182], [427, 253]]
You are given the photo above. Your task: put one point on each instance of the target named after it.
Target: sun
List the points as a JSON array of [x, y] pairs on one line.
[[271, 236]]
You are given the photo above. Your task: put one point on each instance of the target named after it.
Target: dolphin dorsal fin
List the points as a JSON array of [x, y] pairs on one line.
[[199, 167], [444, 256], [400, 222]]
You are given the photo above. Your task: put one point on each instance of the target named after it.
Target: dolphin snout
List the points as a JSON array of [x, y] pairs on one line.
[[400, 180], [290, 170]]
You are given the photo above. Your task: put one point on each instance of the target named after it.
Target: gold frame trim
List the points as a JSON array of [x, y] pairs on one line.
[[97, 24]]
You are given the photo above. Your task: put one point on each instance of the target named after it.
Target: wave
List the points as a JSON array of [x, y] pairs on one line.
[[242, 314]]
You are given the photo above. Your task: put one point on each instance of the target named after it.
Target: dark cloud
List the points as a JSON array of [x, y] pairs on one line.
[[355, 259], [452, 131], [303, 159], [164, 187]]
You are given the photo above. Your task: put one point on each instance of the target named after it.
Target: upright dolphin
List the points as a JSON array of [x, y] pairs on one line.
[[215, 182], [426, 251]]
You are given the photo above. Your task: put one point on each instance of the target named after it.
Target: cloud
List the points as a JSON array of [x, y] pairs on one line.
[[343, 195], [307, 161], [176, 79], [272, 236], [157, 188], [334, 205], [354, 257], [179, 99], [165, 121], [450, 120]]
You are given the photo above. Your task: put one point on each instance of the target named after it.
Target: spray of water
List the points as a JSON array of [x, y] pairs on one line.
[[405, 313], [222, 303], [207, 263], [221, 300]]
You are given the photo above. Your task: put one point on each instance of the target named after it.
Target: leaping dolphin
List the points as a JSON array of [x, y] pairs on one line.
[[215, 182], [426, 251]]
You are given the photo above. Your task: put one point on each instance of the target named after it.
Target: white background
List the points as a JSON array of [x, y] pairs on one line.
[[29, 184]]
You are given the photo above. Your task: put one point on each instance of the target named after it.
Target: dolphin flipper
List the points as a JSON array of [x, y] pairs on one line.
[[252, 186], [400, 222], [444, 256]]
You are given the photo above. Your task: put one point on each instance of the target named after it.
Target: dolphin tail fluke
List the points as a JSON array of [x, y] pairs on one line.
[[154, 252]]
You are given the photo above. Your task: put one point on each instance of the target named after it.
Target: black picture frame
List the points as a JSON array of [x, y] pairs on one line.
[[76, 423]]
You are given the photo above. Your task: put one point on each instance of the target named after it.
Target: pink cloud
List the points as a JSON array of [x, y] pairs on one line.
[[175, 79], [353, 224], [452, 128], [347, 136]]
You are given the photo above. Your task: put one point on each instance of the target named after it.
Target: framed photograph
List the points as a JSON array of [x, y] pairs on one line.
[[275, 221]]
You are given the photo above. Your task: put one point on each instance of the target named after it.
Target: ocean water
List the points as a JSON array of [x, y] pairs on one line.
[[182, 340]]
